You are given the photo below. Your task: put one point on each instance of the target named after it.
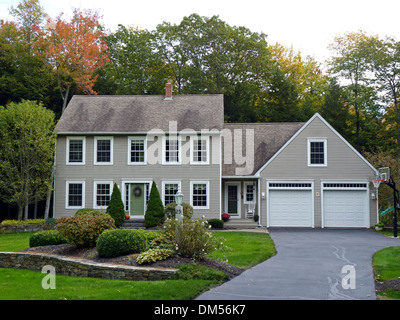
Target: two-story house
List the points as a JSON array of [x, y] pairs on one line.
[[289, 174]]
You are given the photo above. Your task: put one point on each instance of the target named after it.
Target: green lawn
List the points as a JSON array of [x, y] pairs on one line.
[[247, 249], [386, 263]]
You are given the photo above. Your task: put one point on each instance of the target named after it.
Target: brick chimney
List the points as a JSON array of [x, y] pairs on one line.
[[168, 91]]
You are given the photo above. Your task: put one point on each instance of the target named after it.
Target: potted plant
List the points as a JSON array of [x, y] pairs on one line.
[[255, 217], [379, 226], [225, 217]]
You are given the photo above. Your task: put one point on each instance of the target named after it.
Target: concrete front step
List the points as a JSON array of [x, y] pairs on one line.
[[134, 223], [240, 224]]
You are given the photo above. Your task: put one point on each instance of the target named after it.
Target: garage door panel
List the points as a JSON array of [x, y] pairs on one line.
[[290, 208], [345, 208]]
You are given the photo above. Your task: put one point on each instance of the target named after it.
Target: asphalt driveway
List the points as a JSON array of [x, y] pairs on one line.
[[321, 264]]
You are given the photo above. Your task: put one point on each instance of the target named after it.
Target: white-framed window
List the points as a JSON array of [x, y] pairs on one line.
[[172, 150], [317, 152], [169, 189], [199, 194], [137, 147], [200, 147], [76, 150], [101, 194], [249, 193], [103, 150], [75, 194]]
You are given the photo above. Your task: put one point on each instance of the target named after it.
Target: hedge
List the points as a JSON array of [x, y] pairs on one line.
[[46, 238], [119, 242]]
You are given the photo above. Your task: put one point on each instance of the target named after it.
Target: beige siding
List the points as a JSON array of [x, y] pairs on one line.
[[343, 164], [120, 170]]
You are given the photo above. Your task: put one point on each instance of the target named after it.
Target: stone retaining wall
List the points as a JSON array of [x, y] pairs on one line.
[[25, 227], [80, 268]]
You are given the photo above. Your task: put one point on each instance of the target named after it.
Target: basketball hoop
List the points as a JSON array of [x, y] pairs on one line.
[[377, 182]]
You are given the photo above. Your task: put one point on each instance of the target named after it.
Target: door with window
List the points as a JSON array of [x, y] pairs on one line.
[[232, 199]]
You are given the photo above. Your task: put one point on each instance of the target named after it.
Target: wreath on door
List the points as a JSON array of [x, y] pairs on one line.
[[137, 191]]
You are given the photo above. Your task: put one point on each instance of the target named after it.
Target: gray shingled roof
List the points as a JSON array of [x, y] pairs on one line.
[[129, 114], [268, 139]]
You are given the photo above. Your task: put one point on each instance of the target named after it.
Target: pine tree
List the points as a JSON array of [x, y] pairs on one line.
[[155, 209], [116, 207]]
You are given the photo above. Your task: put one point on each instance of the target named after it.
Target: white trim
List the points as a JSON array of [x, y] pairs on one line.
[[366, 189], [245, 184], [316, 115], [144, 139], [238, 184], [95, 183], [124, 182], [311, 189], [111, 139], [309, 141], [164, 182], [207, 140], [207, 183], [164, 149], [67, 183], [83, 151]]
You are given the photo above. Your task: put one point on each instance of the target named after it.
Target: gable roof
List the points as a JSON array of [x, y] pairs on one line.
[[316, 115], [268, 139], [141, 113]]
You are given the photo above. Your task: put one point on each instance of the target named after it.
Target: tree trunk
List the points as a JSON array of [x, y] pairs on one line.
[[20, 212]]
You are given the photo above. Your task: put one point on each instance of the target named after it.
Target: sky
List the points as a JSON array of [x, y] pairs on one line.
[[308, 26]]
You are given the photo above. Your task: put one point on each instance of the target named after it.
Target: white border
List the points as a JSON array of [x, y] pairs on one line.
[[239, 190], [325, 141], [130, 138], [95, 183], [83, 151], [245, 184], [207, 182], [67, 183], [367, 219], [311, 189], [111, 139], [164, 182], [207, 140]]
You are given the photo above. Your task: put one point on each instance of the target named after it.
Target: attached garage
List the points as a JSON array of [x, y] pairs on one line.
[[290, 204], [345, 205]]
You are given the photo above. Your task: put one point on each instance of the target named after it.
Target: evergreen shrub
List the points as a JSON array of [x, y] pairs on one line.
[[119, 242], [116, 208], [155, 209], [46, 238]]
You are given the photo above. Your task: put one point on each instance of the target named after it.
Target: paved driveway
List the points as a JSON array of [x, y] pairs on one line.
[[320, 264]]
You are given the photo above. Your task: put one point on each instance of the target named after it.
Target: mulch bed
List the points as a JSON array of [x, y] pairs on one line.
[[90, 254]]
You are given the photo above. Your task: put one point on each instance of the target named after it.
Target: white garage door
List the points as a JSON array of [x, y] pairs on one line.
[[290, 205], [347, 207]]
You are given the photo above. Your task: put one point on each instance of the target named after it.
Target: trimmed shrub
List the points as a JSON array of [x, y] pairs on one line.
[[155, 209], [20, 222], [84, 230], [170, 210], [46, 238], [116, 208], [119, 242], [153, 255], [216, 223], [89, 212]]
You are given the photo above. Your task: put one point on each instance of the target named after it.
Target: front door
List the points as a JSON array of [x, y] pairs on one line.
[[137, 199], [232, 199]]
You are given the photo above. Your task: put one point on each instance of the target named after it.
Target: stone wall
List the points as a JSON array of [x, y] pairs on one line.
[[25, 227], [80, 268]]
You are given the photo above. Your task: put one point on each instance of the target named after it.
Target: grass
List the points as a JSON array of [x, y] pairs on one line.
[[386, 263], [247, 249]]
